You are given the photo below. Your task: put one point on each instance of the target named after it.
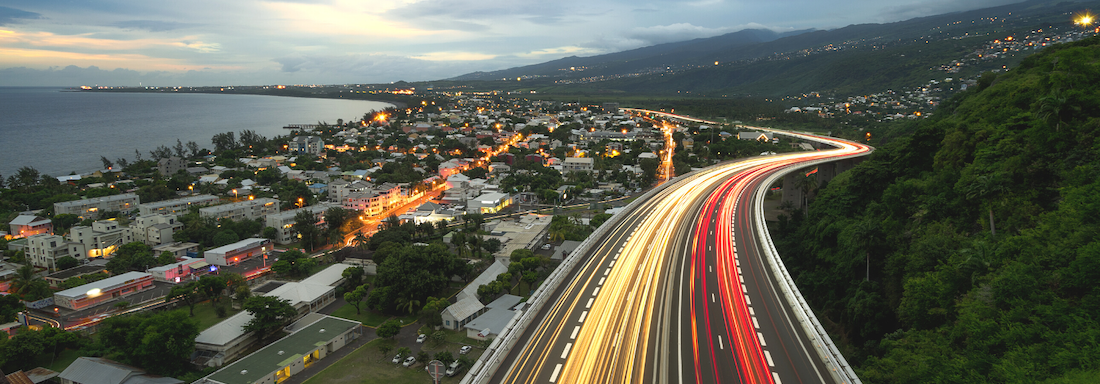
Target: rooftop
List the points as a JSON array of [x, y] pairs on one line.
[[280, 353], [96, 200], [102, 284]]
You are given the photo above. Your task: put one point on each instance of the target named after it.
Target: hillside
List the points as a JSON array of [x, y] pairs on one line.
[[979, 231]]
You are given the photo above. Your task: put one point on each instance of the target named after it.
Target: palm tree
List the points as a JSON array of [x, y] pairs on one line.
[[24, 276], [1051, 108], [982, 187], [410, 305], [360, 240]]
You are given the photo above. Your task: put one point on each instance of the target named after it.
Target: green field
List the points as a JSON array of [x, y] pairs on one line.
[[368, 365]]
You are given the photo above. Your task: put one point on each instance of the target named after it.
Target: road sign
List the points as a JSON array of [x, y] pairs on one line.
[[437, 369]]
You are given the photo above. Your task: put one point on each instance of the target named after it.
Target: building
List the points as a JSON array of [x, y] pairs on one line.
[[177, 206], [314, 337], [577, 164], [188, 269], [155, 229], [758, 136], [284, 221], [307, 144], [491, 202], [55, 279], [169, 166], [43, 250], [233, 254], [457, 315], [489, 324], [98, 292], [178, 249], [247, 209], [92, 208], [102, 239], [29, 225], [375, 201], [97, 370], [227, 340]]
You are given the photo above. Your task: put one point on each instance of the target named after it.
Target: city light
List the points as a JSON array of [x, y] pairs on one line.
[[1084, 19]]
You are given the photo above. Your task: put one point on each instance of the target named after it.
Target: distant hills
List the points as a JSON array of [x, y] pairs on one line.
[[856, 59]]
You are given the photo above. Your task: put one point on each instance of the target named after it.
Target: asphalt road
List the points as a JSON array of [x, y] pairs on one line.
[[676, 292]]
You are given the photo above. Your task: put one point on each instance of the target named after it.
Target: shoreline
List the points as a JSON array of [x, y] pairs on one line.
[[396, 101]]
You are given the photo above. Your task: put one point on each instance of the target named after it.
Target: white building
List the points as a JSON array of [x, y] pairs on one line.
[[44, 249], [92, 208], [235, 253], [247, 209], [577, 164], [284, 221], [29, 225], [307, 144], [177, 206], [491, 202], [102, 239], [155, 229]]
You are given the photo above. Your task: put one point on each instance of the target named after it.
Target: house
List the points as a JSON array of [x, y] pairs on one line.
[[178, 249], [43, 250], [97, 370], [28, 225], [247, 209], [758, 136], [459, 314], [233, 254], [577, 164], [313, 338], [307, 144], [491, 202], [489, 324], [284, 221]]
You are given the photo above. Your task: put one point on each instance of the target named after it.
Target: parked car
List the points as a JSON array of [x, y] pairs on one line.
[[409, 361], [396, 359], [454, 368], [465, 349], [421, 338]]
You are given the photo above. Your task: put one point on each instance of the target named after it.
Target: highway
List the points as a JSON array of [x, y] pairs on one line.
[[679, 290]]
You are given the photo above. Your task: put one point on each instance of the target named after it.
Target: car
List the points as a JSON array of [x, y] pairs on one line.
[[546, 246], [421, 338], [396, 359], [409, 361], [454, 368], [465, 349]]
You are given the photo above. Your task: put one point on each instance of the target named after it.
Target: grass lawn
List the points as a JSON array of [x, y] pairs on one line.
[[368, 365], [204, 313], [63, 360], [367, 317]]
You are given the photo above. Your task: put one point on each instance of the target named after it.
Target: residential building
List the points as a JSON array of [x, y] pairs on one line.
[[169, 166], [92, 208], [102, 291], [177, 206], [314, 338], [284, 221], [376, 201], [457, 315], [247, 209], [758, 136], [97, 370], [577, 164], [178, 249], [43, 250], [307, 144], [155, 229], [233, 254], [101, 239], [55, 279], [29, 225]]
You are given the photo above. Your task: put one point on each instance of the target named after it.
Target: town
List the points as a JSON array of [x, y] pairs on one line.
[[432, 222]]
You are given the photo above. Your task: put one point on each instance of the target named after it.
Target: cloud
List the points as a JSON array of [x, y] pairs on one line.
[[673, 32], [12, 15], [535, 11], [152, 25], [199, 46], [374, 67]]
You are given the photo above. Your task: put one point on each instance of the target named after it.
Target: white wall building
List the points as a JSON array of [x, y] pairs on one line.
[[247, 209]]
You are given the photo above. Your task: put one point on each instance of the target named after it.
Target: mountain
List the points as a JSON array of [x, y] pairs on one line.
[[674, 54], [857, 59], [967, 248]]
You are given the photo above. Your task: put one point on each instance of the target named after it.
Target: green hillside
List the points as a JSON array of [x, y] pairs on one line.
[[948, 301]]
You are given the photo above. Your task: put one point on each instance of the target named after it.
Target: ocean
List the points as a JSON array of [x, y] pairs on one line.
[[59, 133]]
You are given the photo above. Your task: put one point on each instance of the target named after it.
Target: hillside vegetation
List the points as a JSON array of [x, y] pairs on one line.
[[979, 233]]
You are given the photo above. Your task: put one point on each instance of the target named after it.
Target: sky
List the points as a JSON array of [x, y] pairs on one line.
[[264, 42]]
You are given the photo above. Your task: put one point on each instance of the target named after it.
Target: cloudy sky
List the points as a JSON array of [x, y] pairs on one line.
[[249, 42]]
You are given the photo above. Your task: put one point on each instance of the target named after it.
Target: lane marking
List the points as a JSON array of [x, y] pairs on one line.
[[738, 268], [589, 305], [712, 297], [752, 312], [554, 376], [601, 281], [583, 316], [596, 292], [710, 268], [612, 264], [606, 271], [720, 344], [741, 278], [761, 337], [775, 375], [744, 288], [565, 353], [755, 323], [769, 356], [574, 335], [747, 301]]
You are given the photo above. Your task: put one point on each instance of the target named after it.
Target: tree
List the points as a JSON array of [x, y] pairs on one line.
[[389, 329], [353, 276], [269, 314], [271, 233], [66, 262], [445, 357], [166, 258], [423, 356], [356, 297], [186, 293], [306, 225], [384, 349], [178, 148], [224, 141], [360, 240], [294, 263], [20, 352], [161, 342], [336, 219], [212, 287], [431, 314], [107, 164], [193, 148], [10, 305]]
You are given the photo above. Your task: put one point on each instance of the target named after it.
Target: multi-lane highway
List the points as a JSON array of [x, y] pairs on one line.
[[677, 291]]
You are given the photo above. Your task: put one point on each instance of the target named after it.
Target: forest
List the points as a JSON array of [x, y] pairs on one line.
[[966, 250]]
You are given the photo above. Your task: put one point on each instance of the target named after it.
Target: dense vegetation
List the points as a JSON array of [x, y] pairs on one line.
[[967, 251]]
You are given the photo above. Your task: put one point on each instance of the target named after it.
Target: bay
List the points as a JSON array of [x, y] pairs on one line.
[[59, 132]]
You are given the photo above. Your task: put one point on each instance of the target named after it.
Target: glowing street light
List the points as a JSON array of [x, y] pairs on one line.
[[1085, 19]]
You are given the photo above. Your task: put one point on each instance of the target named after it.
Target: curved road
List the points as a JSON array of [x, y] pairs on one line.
[[676, 292]]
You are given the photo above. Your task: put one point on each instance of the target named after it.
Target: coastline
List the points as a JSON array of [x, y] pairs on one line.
[[342, 93]]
